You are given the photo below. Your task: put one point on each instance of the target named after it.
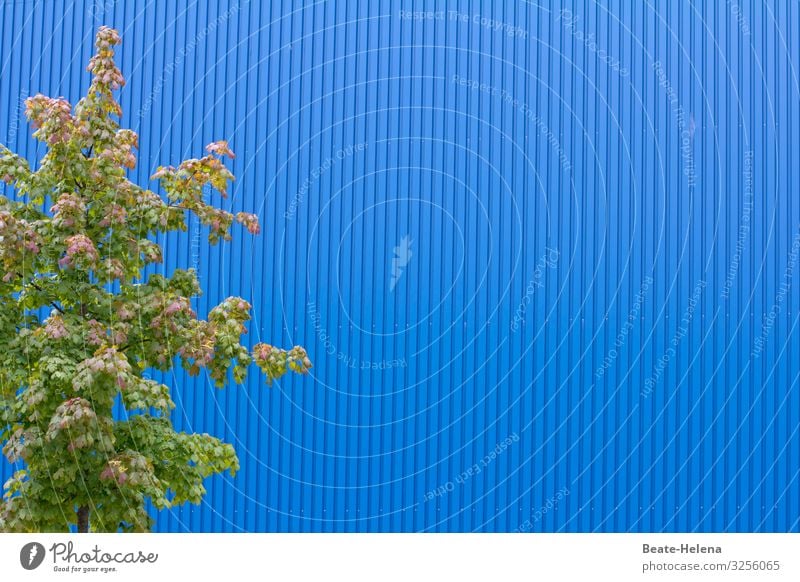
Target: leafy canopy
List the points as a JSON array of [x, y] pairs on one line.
[[109, 323]]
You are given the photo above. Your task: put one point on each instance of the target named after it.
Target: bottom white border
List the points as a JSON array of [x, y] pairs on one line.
[[406, 557]]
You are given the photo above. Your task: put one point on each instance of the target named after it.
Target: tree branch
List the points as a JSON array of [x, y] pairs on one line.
[[40, 290]]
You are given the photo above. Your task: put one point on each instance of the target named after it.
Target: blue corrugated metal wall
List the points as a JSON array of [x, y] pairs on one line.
[[544, 257]]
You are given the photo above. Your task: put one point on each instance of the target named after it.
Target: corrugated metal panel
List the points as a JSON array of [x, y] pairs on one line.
[[508, 221]]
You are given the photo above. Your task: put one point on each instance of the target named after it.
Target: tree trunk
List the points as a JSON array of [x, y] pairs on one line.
[[83, 519]]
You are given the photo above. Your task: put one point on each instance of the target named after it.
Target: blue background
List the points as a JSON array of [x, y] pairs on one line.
[[599, 246]]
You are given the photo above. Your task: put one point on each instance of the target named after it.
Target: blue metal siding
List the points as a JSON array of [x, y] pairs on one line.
[[581, 227]]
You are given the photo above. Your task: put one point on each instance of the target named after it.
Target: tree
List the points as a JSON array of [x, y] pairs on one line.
[[110, 321]]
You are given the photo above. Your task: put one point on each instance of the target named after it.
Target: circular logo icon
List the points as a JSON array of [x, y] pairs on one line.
[[31, 555]]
